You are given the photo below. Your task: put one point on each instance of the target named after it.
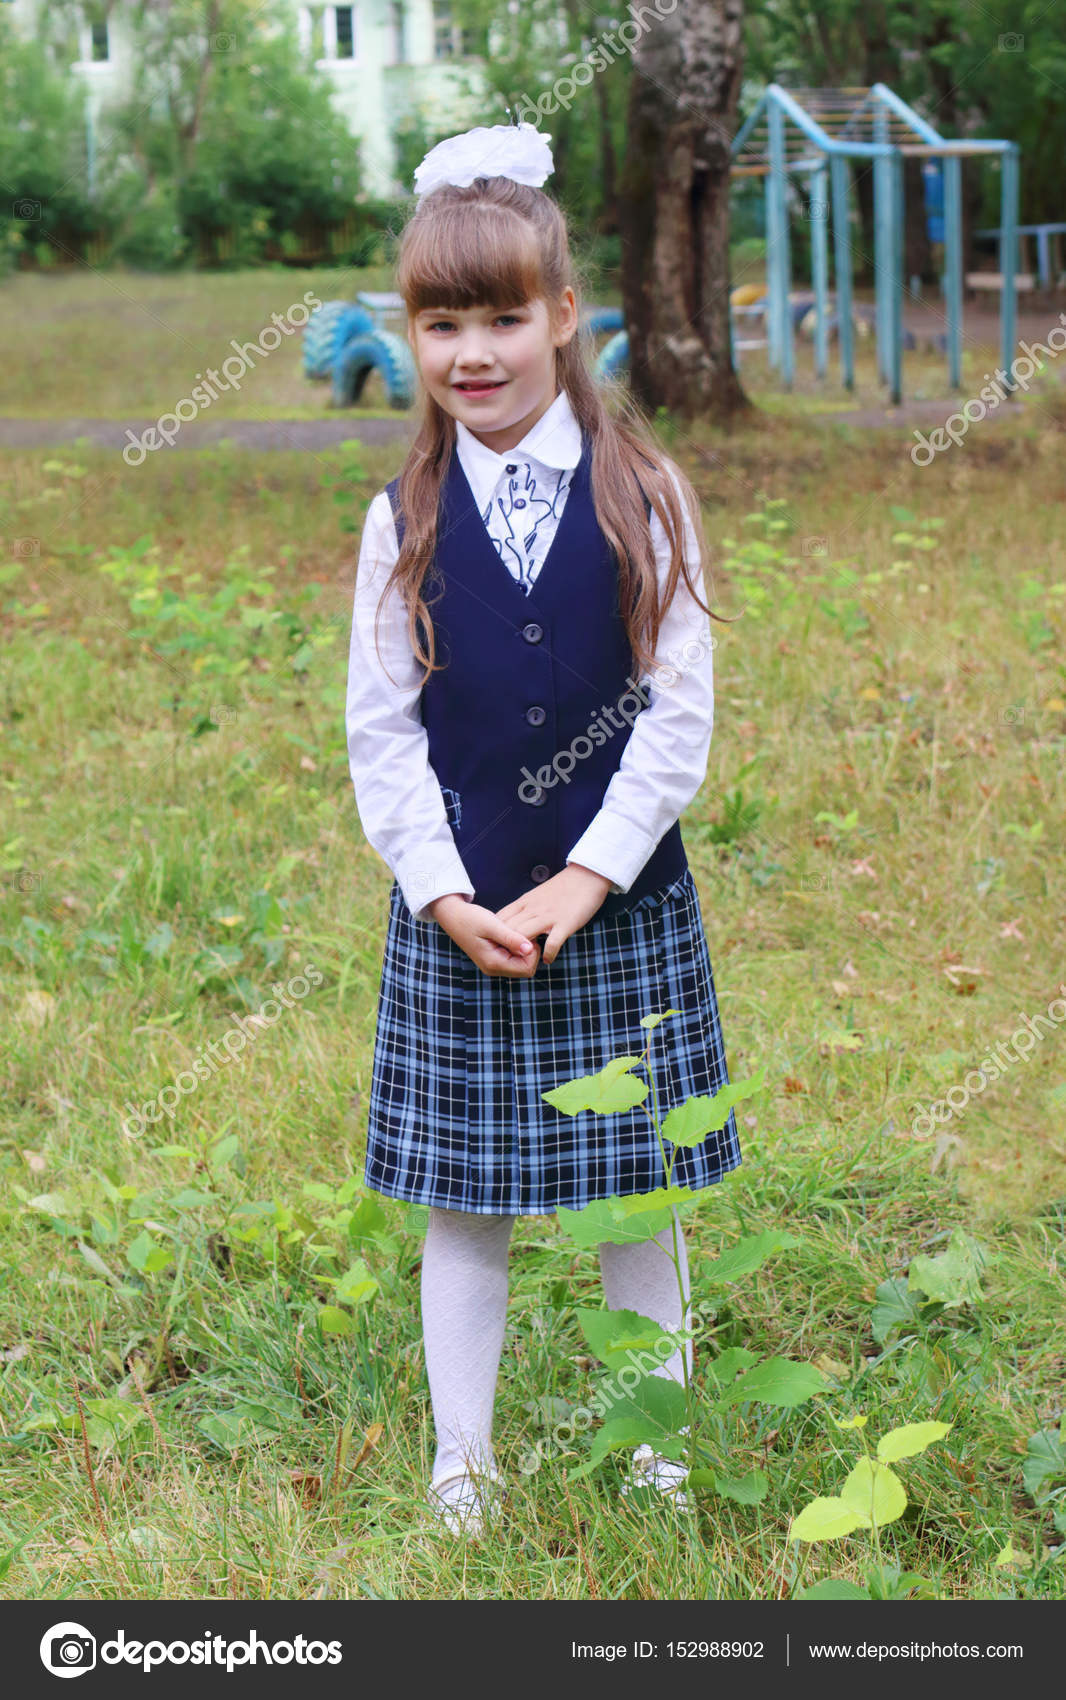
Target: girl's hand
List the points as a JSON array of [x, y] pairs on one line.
[[493, 946], [558, 907]]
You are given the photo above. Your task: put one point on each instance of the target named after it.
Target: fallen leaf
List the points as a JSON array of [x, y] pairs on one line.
[[36, 1162], [793, 1085], [370, 1440], [307, 1485]]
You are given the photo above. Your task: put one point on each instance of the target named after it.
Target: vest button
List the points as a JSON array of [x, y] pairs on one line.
[[511, 468], [540, 872], [540, 797], [536, 715], [532, 633], [520, 504]]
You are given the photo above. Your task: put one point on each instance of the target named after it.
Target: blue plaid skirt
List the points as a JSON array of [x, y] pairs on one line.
[[461, 1058]]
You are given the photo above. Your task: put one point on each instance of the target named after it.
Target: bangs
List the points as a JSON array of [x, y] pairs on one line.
[[470, 254]]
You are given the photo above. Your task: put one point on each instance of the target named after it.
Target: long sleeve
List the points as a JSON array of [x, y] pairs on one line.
[[665, 759], [397, 792]]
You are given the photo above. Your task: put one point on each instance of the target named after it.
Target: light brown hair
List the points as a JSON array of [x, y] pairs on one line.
[[502, 244]]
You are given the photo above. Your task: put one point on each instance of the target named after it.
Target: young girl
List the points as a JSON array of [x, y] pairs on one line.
[[524, 785]]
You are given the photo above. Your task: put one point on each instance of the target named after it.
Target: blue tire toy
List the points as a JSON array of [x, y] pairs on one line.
[[613, 359], [326, 331], [374, 351]]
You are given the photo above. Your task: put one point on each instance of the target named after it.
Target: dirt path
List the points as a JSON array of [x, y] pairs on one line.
[[312, 434]]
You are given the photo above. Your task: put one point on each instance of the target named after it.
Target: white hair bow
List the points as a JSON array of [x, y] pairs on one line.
[[519, 151]]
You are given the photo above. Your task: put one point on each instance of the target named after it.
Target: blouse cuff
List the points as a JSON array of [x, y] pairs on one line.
[[422, 882], [602, 849]]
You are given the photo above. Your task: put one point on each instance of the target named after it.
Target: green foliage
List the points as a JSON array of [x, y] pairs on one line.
[[42, 144], [658, 1410], [871, 1497]]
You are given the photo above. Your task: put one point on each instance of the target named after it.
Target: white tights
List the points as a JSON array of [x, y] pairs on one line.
[[464, 1309]]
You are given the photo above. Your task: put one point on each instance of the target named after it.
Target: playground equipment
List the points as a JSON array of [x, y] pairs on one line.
[[347, 341], [818, 131]]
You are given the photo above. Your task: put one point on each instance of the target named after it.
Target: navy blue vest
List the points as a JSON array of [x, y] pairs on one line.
[[528, 719]]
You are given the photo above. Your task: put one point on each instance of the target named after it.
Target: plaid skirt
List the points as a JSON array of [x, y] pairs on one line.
[[456, 1117]]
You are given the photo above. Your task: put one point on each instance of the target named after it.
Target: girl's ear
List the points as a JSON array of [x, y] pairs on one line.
[[565, 318]]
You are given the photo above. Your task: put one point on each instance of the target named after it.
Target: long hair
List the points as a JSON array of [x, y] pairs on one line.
[[502, 244]]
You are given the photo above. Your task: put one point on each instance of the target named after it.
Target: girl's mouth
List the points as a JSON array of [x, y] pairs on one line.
[[478, 386]]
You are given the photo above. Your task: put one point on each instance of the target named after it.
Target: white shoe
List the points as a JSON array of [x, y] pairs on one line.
[[462, 1503], [666, 1474]]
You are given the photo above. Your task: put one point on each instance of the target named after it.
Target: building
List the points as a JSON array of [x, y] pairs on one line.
[[388, 60]]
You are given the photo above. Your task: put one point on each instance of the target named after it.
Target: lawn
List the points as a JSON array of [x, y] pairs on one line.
[[200, 1395]]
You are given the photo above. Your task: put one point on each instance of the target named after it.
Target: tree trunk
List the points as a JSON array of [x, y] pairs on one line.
[[674, 210]]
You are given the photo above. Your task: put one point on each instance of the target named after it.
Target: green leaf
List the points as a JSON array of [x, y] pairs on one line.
[[332, 1320], [857, 1421], [107, 1420], [658, 1399], [875, 1493], [232, 1429], [692, 1121], [629, 1220], [746, 1490], [356, 1285], [224, 1151], [824, 1520], [615, 1335], [894, 1309], [612, 1089], [833, 1588], [368, 1221], [909, 1440], [748, 1255], [625, 1430], [650, 1021], [727, 1366], [147, 1257], [1045, 1460], [775, 1381], [953, 1278]]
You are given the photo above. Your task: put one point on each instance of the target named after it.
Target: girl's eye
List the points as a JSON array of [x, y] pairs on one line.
[[512, 318]]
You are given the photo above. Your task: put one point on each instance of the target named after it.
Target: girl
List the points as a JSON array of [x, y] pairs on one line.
[[522, 784]]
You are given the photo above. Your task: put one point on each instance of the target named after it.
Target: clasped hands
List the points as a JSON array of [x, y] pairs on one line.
[[503, 942]]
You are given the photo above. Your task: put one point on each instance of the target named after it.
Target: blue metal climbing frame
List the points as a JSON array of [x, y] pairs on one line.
[[819, 131]]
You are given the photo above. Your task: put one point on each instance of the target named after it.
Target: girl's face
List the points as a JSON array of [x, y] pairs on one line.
[[493, 368]]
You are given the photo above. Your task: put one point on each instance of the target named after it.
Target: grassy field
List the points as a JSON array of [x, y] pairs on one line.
[[878, 853], [130, 345]]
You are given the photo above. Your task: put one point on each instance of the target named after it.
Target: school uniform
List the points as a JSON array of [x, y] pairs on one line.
[[534, 746]]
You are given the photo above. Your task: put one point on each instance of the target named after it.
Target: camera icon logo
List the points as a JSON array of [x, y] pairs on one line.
[[68, 1649]]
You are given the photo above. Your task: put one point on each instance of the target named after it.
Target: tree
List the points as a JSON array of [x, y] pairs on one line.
[[674, 210]]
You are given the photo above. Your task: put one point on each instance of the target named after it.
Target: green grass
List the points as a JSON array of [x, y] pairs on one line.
[[180, 834], [129, 345]]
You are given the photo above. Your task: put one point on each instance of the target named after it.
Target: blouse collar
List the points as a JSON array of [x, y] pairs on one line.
[[553, 442]]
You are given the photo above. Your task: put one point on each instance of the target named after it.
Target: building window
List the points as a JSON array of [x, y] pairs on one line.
[[443, 31], [450, 41], [327, 32], [99, 49], [399, 51]]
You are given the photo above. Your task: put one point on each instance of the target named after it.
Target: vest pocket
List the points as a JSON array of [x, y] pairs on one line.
[[453, 807]]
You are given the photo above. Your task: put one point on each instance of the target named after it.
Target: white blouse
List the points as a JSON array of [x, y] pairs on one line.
[[520, 496]]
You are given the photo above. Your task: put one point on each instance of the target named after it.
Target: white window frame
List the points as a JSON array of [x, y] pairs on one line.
[[329, 60], [85, 60]]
